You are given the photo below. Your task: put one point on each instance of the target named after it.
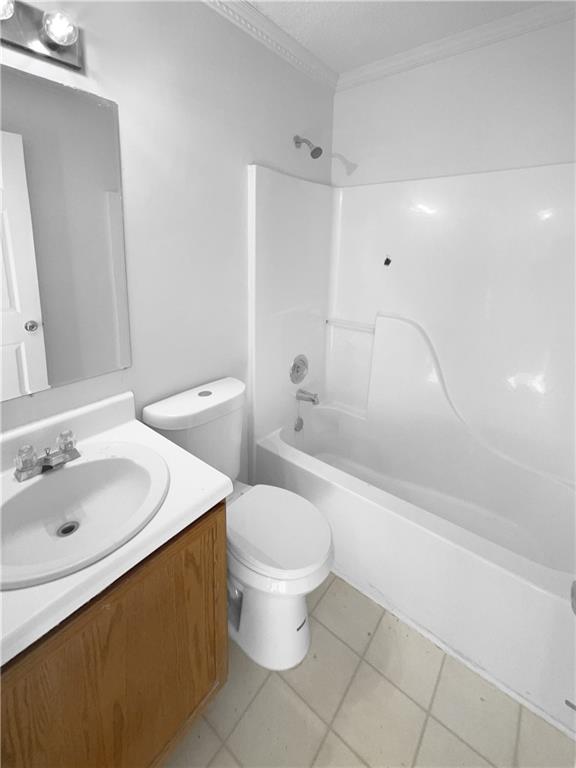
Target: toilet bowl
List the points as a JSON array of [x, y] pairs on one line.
[[279, 550], [279, 545]]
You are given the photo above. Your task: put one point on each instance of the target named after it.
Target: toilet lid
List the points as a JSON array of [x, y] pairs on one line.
[[278, 533]]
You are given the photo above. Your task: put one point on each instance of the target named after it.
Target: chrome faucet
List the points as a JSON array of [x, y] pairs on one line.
[[307, 397], [29, 464]]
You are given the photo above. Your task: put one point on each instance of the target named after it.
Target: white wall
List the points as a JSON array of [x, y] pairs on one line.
[[291, 223], [198, 101], [507, 105]]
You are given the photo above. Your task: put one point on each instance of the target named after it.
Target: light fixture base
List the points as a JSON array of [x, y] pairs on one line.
[[23, 31]]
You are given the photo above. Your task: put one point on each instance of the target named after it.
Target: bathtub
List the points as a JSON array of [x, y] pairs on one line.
[[473, 550]]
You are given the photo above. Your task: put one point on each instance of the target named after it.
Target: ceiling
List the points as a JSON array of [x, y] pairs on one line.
[[347, 35]]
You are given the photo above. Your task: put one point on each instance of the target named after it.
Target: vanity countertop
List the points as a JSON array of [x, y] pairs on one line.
[[195, 487]]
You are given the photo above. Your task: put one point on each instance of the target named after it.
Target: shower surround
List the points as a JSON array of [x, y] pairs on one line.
[[437, 318]]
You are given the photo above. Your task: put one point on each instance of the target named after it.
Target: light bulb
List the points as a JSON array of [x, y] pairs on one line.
[[6, 10], [59, 28]]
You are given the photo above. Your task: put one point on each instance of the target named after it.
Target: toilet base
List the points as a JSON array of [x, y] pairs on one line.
[[274, 630]]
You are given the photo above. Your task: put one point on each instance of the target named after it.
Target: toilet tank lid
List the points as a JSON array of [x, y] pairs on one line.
[[196, 406]]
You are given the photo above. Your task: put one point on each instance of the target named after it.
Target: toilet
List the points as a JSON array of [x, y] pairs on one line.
[[279, 544]]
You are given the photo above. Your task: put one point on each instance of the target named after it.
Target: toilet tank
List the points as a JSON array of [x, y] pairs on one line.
[[206, 421]]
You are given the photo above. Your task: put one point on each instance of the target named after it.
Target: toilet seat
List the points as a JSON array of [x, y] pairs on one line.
[[277, 533]]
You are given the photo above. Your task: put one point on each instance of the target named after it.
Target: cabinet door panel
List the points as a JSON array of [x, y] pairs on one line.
[[55, 710], [171, 668], [115, 684]]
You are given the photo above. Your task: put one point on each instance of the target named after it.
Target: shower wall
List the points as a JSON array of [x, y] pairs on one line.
[[289, 259], [484, 263]]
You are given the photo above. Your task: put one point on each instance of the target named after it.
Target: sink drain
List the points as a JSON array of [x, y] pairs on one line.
[[68, 528]]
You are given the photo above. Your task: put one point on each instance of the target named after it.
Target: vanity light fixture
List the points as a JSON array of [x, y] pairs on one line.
[[59, 29], [6, 10], [51, 35]]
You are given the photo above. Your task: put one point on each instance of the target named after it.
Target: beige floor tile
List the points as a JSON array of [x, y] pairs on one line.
[[378, 721], [542, 746], [349, 614], [278, 729], [196, 748], [323, 676], [441, 749], [244, 679], [484, 717], [224, 759], [406, 658], [335, 754], [314, 597]]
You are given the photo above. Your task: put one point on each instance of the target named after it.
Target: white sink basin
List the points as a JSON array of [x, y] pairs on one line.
[[66, 519]]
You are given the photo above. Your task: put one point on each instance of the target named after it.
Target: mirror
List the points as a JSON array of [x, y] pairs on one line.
[[64, 297]]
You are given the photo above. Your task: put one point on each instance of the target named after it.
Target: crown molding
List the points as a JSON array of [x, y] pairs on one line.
[[248, 18], [542, 15]]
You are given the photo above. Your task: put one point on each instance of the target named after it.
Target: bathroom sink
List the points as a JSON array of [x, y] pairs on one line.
[[66, 519]]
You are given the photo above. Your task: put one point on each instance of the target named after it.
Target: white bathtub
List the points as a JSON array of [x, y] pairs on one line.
[[473, 550]]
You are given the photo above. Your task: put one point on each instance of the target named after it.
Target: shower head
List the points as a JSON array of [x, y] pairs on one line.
[[315, 151]]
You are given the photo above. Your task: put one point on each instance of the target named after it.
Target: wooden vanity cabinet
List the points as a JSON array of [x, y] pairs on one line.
[[115, 684]]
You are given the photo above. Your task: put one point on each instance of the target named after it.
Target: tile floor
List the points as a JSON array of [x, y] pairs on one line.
[[371, 691]]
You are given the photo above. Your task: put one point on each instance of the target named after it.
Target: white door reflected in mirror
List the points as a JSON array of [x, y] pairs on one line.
[[23, 352]]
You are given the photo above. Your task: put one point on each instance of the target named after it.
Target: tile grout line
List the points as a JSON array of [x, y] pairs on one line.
[[361, 657], [395, 685], [459, 738], [220, 741], [322, 742], [327, 723], [345, 693], [327, 583], [430, 715], [437, 720], [358, 653], [436, 685], [446, 654], [428, 712], [225, 742], [374, 633], [517, 740], [369, 663], [335, 715], [359, 662], [229, 748], [302, 699], [246, 708]]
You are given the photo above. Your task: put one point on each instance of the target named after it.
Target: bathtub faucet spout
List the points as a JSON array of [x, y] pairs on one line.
[[307, 397]]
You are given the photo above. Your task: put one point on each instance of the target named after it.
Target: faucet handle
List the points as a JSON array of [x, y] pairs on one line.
[[66, 440], [26, 457]]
